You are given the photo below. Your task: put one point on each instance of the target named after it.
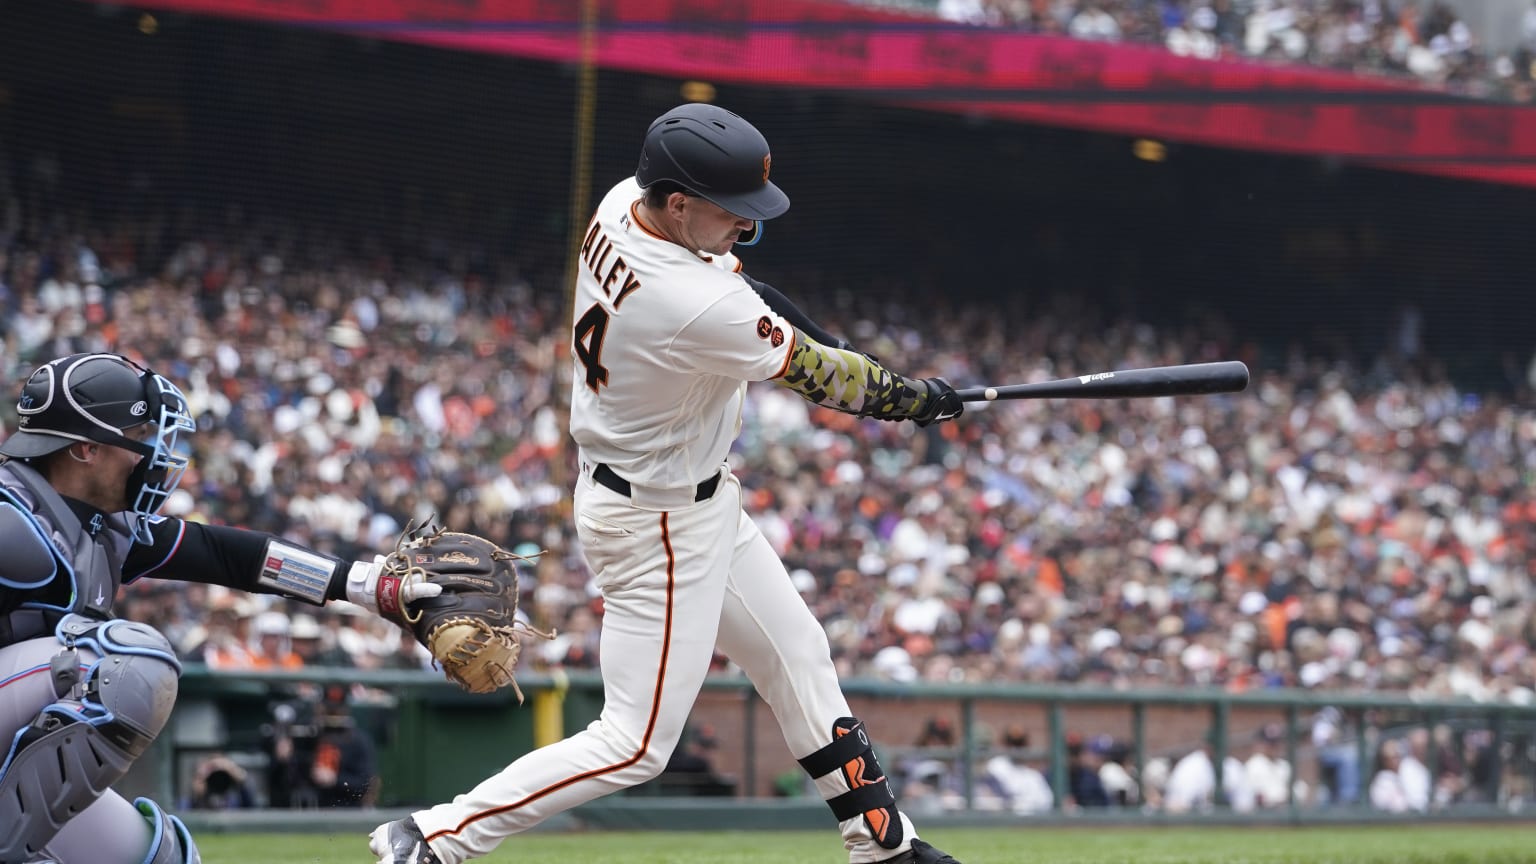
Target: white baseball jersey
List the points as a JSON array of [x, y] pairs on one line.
[[665, 342]]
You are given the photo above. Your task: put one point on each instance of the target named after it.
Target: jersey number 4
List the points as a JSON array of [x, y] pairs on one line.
[[591, 327]]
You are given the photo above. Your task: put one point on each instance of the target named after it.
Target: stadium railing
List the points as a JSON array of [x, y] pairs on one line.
[[433, 741]]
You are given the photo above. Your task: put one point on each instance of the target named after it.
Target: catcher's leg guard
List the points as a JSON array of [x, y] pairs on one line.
[[869, 792], [82, 744], [172, 843]]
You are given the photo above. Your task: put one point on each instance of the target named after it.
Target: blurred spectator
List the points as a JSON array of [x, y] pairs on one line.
[[273, 650], [1268, 772], [288, 741], [1093, 22], [221, 783], [1022, 787], [931, 779], [406, 653], [1412, 773], [1387, 791], [690, 770], [309, 644], [225, 645], [1084, 788], [317, 756], [343, 769], [1451, 774], [1117, 774], [1191, 783], [1338, 758], [1481, 761], [1154, 782]]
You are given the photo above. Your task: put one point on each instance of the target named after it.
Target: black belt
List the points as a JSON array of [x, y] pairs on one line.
[[604, 475]]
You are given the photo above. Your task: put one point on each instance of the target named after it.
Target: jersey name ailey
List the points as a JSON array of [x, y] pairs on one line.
[[595, 252]]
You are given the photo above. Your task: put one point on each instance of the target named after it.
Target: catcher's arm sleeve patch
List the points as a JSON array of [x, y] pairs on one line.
[[850, 382]]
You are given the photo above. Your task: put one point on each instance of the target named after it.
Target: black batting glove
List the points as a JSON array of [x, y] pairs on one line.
[[942, 403]]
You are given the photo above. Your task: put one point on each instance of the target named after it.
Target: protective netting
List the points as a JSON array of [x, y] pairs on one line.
[[345, 147]]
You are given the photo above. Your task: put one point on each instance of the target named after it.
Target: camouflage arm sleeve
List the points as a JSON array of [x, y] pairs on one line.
[[850, 382]]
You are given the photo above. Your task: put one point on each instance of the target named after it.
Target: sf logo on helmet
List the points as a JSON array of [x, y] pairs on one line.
[[767, 163]]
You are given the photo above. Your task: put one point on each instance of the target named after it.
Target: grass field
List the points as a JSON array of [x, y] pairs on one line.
[[1392, 844]]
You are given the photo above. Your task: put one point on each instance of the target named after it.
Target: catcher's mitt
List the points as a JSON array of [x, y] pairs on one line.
[[471, 626]]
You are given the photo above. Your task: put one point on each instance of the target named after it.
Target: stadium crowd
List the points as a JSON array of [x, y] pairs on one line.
[[1412, 770], [1334, 527], [1401, 38]]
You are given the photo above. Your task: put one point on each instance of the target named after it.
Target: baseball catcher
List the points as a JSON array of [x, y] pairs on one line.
[[99, 446], [466, 614]]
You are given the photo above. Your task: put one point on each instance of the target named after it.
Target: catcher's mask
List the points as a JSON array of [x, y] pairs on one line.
[[98, 397]]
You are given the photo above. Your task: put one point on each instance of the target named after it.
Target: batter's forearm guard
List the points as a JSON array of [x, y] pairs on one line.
[[869, 792], [851, 382]]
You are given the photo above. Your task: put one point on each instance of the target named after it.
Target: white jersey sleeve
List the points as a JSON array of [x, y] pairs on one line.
[[737, 335]]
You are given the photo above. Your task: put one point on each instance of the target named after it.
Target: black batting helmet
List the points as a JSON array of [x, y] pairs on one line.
[[716, 155]]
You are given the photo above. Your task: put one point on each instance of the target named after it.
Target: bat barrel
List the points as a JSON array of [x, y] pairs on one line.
[[1191, 379]]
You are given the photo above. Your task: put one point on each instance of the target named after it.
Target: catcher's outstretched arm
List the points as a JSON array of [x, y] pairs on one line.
[[851, 382], [235, 558], [262, 563]]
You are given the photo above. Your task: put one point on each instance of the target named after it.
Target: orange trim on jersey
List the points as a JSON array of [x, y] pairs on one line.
[[650, 726], [737, 268], [787, 355], [634, 213]]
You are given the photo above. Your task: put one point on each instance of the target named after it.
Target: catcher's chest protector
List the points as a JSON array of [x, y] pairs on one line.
[[88, 558]]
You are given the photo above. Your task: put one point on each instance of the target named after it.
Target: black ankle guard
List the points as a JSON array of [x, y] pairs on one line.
[[869, 792]]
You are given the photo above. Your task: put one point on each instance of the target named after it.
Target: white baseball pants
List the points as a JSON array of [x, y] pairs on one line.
[[675, 583]]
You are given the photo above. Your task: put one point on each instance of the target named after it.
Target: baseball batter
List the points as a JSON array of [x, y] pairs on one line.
[[666, 334], [84, 694]]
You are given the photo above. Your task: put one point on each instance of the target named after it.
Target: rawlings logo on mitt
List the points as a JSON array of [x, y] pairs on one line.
[[471, 628]]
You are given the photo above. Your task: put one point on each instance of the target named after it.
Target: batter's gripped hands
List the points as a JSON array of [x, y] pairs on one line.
[[942, 403]]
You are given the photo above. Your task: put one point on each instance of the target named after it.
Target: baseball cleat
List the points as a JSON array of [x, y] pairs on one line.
[[400, 842], [921, 852]]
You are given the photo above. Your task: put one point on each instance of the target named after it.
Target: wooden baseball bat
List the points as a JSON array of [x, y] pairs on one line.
[[1187, 380]]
